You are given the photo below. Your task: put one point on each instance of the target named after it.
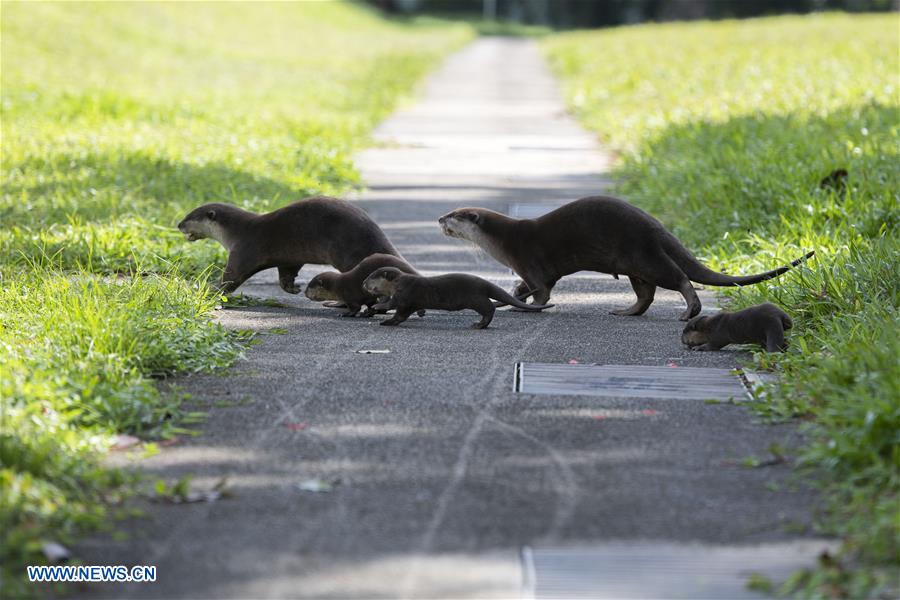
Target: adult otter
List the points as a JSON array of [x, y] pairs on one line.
[[347, 288], [317, 230], [457, 291], [763, 324], [597, 233]]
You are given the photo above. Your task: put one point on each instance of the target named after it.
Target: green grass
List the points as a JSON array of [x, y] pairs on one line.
[[118, 118], [724, 131]]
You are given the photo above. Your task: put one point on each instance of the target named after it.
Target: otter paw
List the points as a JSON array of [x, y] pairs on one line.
[[390, 323], [291, 288]]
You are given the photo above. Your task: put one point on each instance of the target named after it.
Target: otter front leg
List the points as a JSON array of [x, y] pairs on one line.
[[286, 278], [352, 309], [383, 306], [645, 293], [775, 340], [401, 315], [237, 271], [539, 292], [707, 346]]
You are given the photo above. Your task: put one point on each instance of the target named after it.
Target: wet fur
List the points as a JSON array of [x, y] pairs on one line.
[[763, 324], [597, 233], [317, 230], [457, 291]]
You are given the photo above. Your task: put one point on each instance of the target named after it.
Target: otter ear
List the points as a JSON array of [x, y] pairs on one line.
[[211, 215], [390, 275], [475, 218]]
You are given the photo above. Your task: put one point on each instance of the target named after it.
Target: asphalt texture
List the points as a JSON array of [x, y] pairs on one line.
[[440, 473]]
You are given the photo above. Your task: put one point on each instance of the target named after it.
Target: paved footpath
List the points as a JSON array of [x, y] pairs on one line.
[[442, 474]]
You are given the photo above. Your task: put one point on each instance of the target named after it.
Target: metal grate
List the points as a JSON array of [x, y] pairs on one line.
[[628, 381], [661, 569]]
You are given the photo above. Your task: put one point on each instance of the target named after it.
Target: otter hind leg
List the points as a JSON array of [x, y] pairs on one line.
[[645, 293], [486, 310]]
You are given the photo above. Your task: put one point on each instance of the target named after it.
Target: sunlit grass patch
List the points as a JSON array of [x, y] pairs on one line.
[[77, 354], [726, 131]]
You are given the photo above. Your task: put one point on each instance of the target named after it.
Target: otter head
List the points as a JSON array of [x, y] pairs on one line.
[[696, 332], [473, 224], [463, 223], [207, 221], [382, 281], [322, 287]]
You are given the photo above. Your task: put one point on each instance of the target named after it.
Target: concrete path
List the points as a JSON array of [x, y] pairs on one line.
[[441, 473]]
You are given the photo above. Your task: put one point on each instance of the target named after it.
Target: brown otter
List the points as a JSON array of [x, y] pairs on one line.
[[347, 287], [763, 324], [457, 291], [597, 233], [317, 230], [836, 180]]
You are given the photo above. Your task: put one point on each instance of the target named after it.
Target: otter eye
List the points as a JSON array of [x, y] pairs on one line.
[[211, 215]]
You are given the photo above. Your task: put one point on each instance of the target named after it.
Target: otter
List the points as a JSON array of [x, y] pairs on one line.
[[597, 233], [457, 291], [347, 288], [836, 180], [762, 324], [317, 230]]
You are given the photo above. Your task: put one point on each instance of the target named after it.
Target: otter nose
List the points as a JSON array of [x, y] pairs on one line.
[[442, 219]]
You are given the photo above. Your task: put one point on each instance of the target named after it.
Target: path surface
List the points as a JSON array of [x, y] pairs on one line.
[[443, 473]]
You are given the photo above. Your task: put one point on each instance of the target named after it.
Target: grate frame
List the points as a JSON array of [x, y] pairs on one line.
[[629, 381]]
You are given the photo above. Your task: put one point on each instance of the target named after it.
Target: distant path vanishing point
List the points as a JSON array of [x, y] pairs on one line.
[[436, 474]]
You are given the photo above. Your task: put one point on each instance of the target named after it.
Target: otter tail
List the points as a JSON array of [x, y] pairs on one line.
[[498, 293], [699, 273]]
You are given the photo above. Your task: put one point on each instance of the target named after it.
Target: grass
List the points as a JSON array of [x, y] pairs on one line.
[[724, 131], [118, 118]]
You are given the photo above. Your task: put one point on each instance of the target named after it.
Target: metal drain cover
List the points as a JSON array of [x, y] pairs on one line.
[[628, 381], [661, 569]]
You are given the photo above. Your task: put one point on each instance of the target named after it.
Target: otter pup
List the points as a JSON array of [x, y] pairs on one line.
[[317, 230], [348, 287], [409, 293], [597, 233], [763, 324]]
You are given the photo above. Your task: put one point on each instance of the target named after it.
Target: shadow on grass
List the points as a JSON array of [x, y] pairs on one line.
[[760, 174], [109, 185]]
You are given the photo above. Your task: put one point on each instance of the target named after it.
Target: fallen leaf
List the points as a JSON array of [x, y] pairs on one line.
[[297, 426], [671, 364], [55, 552], [649, 412], [124, 442], [315, 485], [169, 442], [599, 417], [572, 361]]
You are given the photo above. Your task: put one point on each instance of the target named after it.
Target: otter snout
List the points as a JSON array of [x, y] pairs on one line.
[[185, 228], [694, 333]]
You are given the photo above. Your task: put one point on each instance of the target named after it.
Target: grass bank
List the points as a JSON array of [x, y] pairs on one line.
[[117, 119], [725, 131]]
